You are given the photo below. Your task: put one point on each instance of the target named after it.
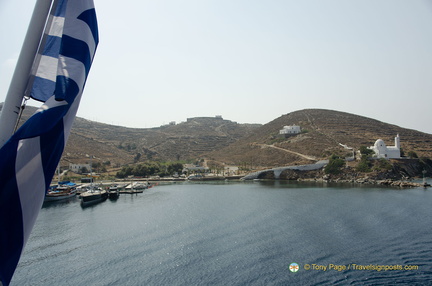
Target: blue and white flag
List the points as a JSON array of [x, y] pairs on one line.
[[29, 158]]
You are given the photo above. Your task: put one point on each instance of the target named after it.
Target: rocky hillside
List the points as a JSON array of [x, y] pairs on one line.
[[184, 141], [220, 141], [323, 133], [121, 145]]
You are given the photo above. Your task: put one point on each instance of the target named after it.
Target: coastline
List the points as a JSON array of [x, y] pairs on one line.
[[402, 183], [368, 181]]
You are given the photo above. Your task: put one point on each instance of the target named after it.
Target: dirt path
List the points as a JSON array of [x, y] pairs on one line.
[[286, 150]]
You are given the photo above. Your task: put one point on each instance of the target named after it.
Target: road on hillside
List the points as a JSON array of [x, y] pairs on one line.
[[286, 150]]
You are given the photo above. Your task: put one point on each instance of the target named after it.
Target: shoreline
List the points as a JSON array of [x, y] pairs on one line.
[[373, 182], [361, 181], [377, 179]]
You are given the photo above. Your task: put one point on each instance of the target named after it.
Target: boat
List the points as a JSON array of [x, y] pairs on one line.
[[195, 177], [113, 192], [93, 195], [135, 188], [60, 192], [138, 186]]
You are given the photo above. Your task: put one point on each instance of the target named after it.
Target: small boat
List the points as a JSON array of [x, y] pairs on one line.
[[135, 188], [113, 192], [93, 195], [60, 192]]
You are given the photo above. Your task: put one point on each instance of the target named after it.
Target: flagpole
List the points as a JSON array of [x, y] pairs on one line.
[[14, 97]]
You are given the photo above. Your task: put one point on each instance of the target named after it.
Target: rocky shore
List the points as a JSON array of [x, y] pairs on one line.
[[401, 174], [368, 181]]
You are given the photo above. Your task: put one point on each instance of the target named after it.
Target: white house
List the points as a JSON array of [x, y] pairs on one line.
[[293, 129], [77, 167], [191, 168], [231, 170], [387, 152]]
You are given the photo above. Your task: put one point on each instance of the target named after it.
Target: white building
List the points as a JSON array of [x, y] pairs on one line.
[[77, 167], [191, 168], [294, 129], [231, 170], [387, 152]]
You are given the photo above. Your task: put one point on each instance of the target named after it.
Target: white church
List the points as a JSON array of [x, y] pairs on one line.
[[387, 152]]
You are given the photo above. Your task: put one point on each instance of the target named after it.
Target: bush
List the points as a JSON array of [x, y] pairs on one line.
[[412, 154], [366, 151], [150, 169], [364, 165], [383, 164], [334, 166]]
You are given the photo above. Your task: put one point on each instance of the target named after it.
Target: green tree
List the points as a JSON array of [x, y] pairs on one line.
[[140, 170], [150, 169], [334, 166], [124, 172], [366, 151], [364, 165], [137, 157], [175, 168]]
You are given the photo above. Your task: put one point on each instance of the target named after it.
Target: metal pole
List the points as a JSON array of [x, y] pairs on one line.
[[14, 97]]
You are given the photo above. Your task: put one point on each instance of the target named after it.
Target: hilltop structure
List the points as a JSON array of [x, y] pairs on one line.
[[218, 117], [387, 152]]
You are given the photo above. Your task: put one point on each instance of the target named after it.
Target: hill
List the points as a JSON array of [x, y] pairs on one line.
[[323, 133], [183, 141], [186, 141], [221, 141]]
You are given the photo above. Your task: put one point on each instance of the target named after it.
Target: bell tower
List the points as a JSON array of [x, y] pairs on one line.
[[397, 142]]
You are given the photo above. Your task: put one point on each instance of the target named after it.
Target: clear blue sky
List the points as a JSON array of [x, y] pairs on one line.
[[250, 61]]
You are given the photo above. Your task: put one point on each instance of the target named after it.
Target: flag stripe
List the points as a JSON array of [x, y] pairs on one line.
[[60, 9], [53, 45], [29, 169], [56, 29], [48, 69], [74, 49], [42, 82], [10, 216], [89, 17]]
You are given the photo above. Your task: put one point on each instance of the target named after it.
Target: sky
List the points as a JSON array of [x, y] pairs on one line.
[[250, 61]]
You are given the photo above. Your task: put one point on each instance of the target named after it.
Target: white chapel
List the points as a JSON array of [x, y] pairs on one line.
[[387, 152]]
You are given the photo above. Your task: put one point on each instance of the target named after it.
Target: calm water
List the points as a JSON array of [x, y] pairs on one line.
[[234, 234]]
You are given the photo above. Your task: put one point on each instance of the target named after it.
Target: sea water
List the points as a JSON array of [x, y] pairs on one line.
[[244, 233]]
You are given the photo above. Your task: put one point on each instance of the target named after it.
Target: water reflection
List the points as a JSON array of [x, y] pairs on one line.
[[60, 203]]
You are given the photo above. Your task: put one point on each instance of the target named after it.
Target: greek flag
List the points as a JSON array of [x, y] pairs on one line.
[[29, 158]]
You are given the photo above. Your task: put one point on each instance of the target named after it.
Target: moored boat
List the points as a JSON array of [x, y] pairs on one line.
[[113, 192], [60, 192], [93, 195], [135, 187]]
